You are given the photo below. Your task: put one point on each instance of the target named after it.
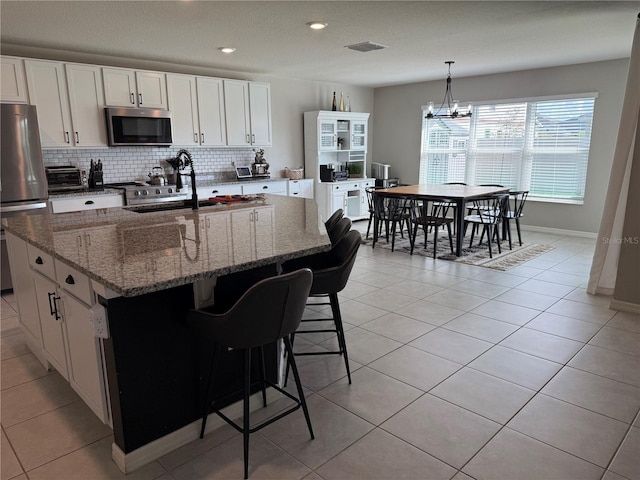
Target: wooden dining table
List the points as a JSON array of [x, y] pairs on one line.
[[457, 194]]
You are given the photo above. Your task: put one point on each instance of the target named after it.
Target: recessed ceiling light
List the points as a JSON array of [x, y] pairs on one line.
[[227, 49], [317, 25]]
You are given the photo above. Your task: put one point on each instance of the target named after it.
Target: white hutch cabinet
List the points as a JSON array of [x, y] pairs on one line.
[[338, 139]]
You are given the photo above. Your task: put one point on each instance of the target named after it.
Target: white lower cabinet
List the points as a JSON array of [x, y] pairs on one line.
[[51, 323], [350, 196], [54, 305], [90, 202], [301, 188], [218, 190], [252, 231], [275, 187]]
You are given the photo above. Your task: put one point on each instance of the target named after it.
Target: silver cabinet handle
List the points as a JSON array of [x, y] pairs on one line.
[[133, 101], [195, 137], [202, 137], [256, 217], [66, 135], [77, 138], [253, 138], [248, 141], [140, 97]]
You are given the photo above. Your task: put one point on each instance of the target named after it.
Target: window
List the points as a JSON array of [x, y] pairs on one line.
[[541, 146]]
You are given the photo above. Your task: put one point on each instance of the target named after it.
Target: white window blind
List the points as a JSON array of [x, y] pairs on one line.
[[541, 146]]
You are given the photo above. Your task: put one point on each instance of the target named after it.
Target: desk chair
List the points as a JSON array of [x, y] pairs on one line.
[[269, 311]]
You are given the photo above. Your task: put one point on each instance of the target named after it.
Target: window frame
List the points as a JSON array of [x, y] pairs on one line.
[[524, 167]]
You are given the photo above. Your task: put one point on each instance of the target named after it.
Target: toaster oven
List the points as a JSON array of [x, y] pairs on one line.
[[61, 179]]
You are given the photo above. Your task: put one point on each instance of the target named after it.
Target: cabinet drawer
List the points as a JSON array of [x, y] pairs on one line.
[[366, 183], [265, 187], [41, 262], [74, 282], [74, 204], [216, 190], [345, 186]]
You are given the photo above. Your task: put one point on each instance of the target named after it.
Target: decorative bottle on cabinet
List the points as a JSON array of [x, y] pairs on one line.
[[341, 102], [348, 104], [333, 105]]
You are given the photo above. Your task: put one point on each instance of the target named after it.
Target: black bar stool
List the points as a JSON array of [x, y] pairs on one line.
[[331, 272], [269, 311], [333, 219]]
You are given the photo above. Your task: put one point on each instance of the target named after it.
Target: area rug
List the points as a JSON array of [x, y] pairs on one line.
[[477, 255]]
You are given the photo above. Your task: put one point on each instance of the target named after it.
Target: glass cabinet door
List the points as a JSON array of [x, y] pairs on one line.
[[358, 135], [327, 133]]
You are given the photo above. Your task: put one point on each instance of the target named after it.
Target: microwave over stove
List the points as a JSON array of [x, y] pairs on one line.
[[138, 126]]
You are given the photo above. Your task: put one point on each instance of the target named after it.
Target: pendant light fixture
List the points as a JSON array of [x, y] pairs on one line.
[[449, 106]]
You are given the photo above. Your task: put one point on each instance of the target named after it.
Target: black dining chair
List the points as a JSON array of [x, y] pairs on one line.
[[431, 214], [331, 272], [269, 311], [390, 213], [517, 199], [490, 211]]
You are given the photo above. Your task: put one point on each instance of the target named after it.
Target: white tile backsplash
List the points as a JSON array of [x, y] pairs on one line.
[[125, 164]]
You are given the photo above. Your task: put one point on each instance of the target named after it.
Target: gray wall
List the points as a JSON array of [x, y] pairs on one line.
[[397, 126]]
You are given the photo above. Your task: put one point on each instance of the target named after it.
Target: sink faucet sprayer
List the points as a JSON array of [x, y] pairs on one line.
[[187, 163]]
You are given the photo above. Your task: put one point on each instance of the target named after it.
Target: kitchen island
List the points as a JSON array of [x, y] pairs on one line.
[[145, 269]]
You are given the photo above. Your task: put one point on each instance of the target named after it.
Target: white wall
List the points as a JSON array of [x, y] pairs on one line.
[[397, 126]]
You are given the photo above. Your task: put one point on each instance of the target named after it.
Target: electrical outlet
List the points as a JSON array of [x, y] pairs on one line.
[[99, 319]]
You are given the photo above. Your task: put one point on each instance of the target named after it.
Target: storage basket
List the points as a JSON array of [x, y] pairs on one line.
[[294, 173]]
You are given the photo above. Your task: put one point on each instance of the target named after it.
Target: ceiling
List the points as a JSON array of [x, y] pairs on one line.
[[272, 38]]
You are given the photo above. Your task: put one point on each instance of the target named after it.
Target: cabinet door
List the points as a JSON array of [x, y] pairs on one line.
[[86, 99], [327, 135], [13, 87], [152, 90], [339, 201], [181, 97], [243, 234], [24, 289], [86, 375], [51, 323], [263, 231], [260, 113], [48, 92], [211, 112], [358, 135], [119, 87], [218, 235], [236, 100]]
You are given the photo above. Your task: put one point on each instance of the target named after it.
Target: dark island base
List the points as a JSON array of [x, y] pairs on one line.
[[156, 369]]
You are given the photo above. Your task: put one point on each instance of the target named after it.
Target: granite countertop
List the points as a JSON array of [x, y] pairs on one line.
[[134, 253]]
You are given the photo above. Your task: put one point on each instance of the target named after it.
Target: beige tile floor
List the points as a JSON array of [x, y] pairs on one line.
[[458, 372]]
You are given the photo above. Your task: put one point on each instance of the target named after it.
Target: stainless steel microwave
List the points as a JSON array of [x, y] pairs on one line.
[[138, 126]]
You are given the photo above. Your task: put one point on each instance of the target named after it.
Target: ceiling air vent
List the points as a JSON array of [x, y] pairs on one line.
[[365, 46]]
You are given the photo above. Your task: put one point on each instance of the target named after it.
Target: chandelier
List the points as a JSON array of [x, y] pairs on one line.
[[449, 106]]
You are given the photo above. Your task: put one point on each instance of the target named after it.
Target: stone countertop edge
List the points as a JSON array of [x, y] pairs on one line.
[[88, 192], [41, 235]]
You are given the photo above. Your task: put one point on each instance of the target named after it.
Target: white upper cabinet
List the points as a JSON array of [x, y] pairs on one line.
[[86, 99], [13, 86], [131, 88], [48, 92], [183, 104], [197, 110], [213, 131], [248, 113]]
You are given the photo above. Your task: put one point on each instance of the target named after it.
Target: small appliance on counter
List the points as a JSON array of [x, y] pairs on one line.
[[66, 178], [95, 174], [328, 173], [157, 177], [260, 167], [380, 171]]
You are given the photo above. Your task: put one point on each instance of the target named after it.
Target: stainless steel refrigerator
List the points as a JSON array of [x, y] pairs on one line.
[[24, 182]]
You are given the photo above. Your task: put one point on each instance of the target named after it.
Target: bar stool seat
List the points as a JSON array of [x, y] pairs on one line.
[[269, 311]]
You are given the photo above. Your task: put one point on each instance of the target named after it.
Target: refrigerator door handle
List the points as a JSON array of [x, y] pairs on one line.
[[18, 208]]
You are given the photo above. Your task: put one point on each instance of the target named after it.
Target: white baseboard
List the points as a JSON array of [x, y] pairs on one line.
[[624, 306], [128, 462], [559, 231]]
